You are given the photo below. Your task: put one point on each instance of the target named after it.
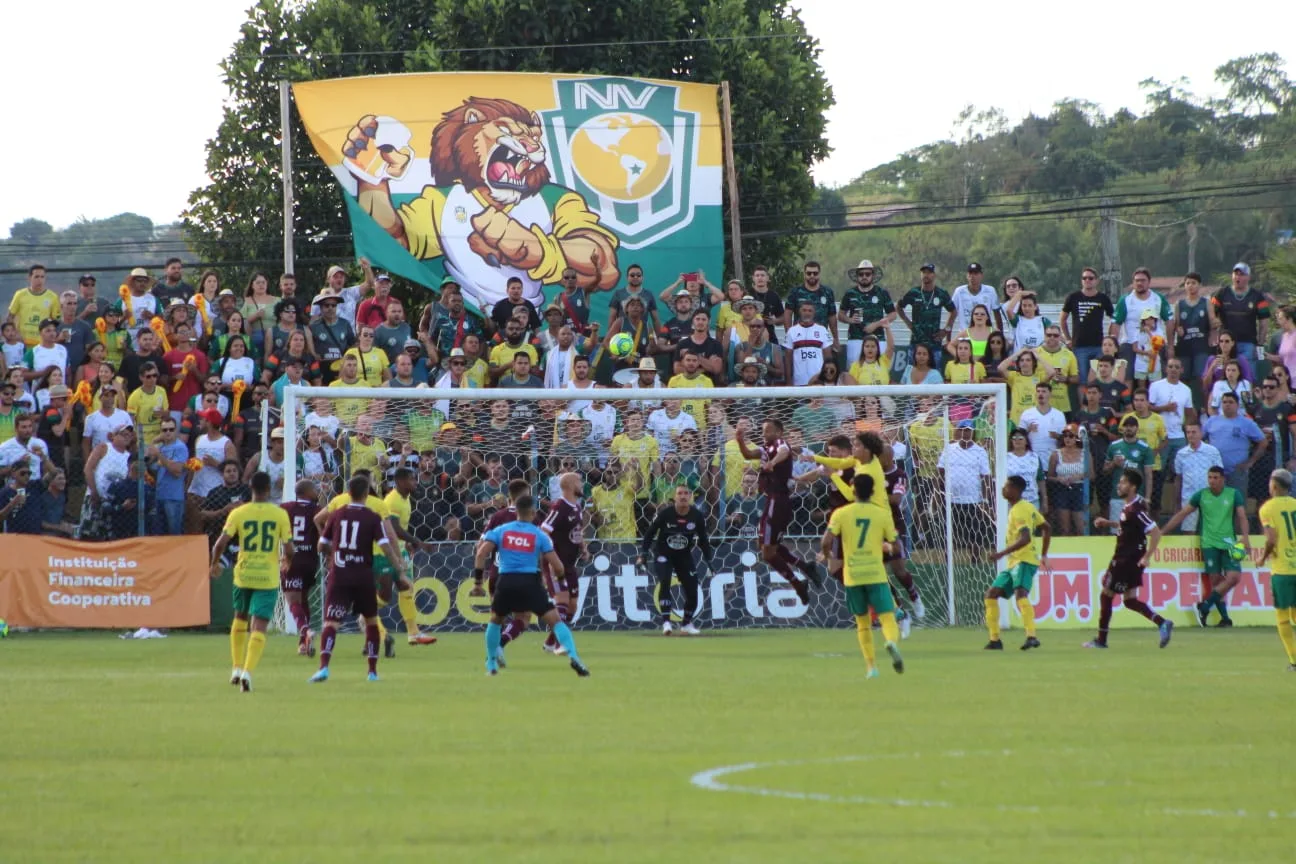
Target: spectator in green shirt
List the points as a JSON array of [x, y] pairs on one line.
[[927, 305], [1128, 452]]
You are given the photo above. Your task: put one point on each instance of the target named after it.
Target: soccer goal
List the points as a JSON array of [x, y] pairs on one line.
[[633, 448]]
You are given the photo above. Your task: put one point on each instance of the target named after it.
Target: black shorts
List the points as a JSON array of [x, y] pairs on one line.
[[679, 563], [1122, 576], [342, 600], [520, 592], [301, 575]]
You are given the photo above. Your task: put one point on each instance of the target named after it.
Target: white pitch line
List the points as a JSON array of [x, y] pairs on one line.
[[711, 781]]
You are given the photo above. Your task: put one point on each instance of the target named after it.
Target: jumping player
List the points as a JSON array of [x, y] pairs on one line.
[[1223, 520], [398, 508], [264, 537], [897, 485], [1278, 516], [516, 625], [775, 474], [349, 537], [1023, 520], [676, 530], [1138, 538], [860, 534], [565, 525], [522, 546], [303, 569]]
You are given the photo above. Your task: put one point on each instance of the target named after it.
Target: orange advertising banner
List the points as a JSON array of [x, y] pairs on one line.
[[143, 582]]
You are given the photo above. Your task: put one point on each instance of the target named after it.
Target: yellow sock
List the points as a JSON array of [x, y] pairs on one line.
[[382, 631], [408, 611], [890, 629], [1286, 634], [1028, 614], [238, 642], [864, 633], [992, 618], [255, 645]]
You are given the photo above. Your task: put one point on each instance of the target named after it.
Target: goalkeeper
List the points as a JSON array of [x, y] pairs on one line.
[[676, 530]]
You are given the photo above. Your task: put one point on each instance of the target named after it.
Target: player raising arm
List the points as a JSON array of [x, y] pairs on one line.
[[299, 576], [397, 504], [670, 539], [1278, 516], [1138, 538], [522, 546], [348, 541], [264, 536], [565, 525], [1023, 564], [861, 534], [775, 474]]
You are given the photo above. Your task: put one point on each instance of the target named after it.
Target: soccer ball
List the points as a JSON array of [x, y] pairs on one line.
[[4, 628], [1238, 552], [621, 344]]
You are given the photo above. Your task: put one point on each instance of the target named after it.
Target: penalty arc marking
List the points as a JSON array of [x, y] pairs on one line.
[[713, 780]]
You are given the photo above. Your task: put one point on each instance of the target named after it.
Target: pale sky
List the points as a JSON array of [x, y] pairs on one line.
[[132, 90]]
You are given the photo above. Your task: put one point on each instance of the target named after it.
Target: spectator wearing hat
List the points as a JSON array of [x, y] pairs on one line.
[[503, 311], [372, 311], [702, 294], [89, 304], [175, 313], [138, 306], [821, 297], [172, 285], [868, 309], [167, 457], [1082, 319], [186, 368], [46, 355], [74, 334], [101, 425], [964, 469], [747, 310], [1242, 311], [645, 378], [1128, 451], [32, 305], [968, 296], [225, 306], [20, 501], [678, 328], [348, 296], [727, 313], [332, 335], [547, 337], [213, 449], [1127, 320], [633, 288], [294, 373], [56, 422], [927, 305], [762, 347]]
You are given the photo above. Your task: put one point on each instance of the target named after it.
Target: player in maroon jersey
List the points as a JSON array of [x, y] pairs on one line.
[[348, 540], [776, 515], [565, 525], [299, 577], [1135, 543], [896, 486], [517, 624]]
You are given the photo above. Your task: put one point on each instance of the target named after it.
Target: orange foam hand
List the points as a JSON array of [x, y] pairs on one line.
[[158, 326], [186, 369], [82, 392], [239, 387], [127, 309], [200, 303], [194, 464], [101, 327]]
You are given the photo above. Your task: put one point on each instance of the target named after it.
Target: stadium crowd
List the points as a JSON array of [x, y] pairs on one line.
[[150, 401]]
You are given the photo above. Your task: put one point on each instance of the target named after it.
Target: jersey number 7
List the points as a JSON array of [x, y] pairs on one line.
[[863, 526]]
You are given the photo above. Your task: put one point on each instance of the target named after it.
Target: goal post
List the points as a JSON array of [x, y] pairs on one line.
[[465, 444]]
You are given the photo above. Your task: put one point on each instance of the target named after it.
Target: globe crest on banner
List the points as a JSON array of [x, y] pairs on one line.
[[626, 145]]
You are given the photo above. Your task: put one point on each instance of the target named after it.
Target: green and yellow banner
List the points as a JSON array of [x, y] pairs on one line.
[[488, 176]]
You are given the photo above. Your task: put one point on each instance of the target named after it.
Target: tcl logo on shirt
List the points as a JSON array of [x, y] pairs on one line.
[[519, 541]]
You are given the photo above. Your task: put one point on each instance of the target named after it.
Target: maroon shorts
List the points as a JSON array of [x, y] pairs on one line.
[[348, 598], [569, 582], [1122, 576], [775, 519], [300, 575], [899, 550]]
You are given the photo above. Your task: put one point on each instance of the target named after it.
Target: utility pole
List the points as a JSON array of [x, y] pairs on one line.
[[1113, 281]]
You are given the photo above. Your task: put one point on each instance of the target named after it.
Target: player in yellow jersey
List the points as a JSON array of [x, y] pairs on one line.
[[397, 503], [264, 537], [1023, 563], [860, 535], [865, 460], [1278, 516]]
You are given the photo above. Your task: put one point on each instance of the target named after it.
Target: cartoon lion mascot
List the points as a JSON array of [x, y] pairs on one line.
[[493, 212]]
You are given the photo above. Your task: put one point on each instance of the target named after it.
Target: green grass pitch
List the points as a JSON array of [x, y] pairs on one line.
[[141, 751]]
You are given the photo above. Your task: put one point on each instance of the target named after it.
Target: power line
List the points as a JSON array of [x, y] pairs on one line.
[[477, 49]]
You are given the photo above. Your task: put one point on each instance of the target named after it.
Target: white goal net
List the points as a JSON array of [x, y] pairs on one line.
[[633, 447]]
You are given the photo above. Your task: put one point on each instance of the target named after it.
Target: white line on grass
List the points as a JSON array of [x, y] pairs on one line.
[[711, 781]]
